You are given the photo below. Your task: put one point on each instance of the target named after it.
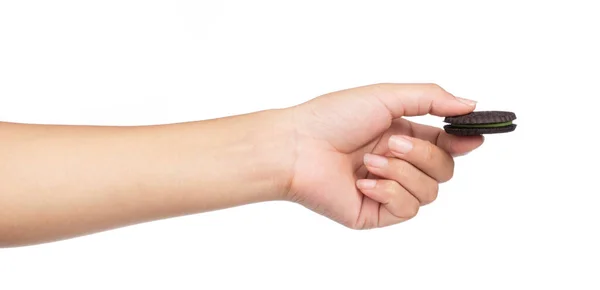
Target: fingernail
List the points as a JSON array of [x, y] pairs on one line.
[[466, 101], [366, 183], [375, 160], [400, 144]]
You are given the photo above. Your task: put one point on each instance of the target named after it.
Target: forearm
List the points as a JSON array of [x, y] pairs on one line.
[[58, 182]]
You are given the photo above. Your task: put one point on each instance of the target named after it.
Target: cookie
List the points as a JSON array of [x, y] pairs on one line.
[[482, 122]]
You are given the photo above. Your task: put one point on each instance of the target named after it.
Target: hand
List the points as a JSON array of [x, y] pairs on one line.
[[358, 162]]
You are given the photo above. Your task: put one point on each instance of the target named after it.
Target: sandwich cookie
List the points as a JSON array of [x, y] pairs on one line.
[[482, 122]]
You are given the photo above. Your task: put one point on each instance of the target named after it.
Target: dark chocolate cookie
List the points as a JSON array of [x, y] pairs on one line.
[[482, 122]]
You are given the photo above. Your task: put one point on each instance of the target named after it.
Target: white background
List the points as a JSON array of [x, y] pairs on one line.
[[520, 213]]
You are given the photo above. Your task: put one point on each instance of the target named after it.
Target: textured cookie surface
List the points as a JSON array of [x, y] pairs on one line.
[[482, 117], [465, 131]]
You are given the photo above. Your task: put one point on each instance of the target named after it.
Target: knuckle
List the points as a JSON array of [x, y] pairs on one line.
[[382, 84], [447, 173], [359, 225], [401, 168], [379, 87], [412, 210], [390, 187], [431, 194], [450, 173], [428, 152], [434, 86]]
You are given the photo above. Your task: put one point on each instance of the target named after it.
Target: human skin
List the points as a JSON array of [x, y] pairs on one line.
[[333, 154]]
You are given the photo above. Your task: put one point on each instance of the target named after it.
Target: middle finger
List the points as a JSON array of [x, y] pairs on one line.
[[423, 154], [419, 184]]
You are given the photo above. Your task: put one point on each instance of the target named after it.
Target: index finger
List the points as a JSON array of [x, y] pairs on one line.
[[419, 99]]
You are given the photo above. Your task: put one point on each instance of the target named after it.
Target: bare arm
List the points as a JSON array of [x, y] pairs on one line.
[[348, 155], [58, 182]]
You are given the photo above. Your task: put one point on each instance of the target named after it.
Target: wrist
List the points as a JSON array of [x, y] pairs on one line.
[[270, 152], [246, 158]]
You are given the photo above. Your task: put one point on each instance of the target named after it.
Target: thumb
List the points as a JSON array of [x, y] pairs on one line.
[[420, 99]]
